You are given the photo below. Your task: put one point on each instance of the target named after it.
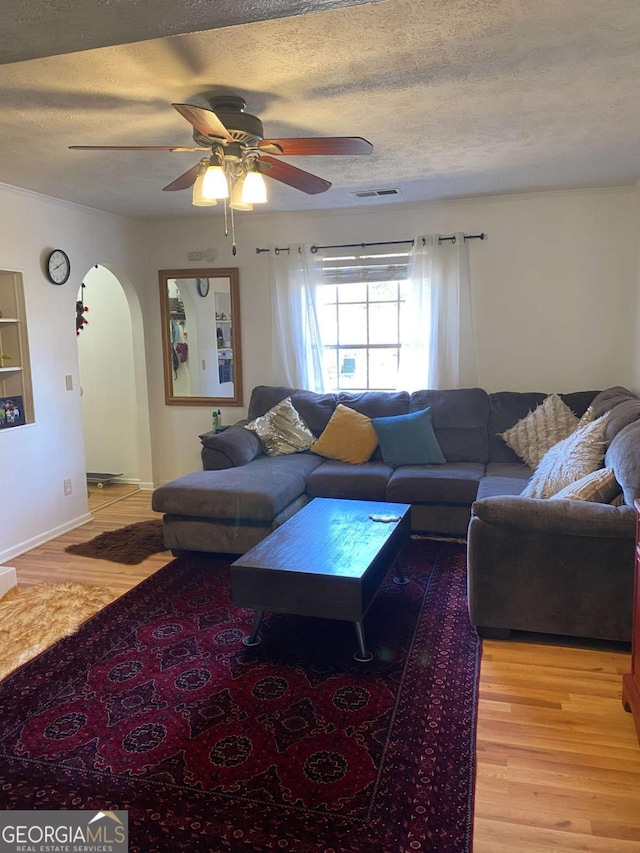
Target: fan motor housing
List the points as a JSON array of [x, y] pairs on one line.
[[245, 128]]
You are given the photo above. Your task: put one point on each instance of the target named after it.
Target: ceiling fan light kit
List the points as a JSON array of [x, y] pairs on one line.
[[198, 198], [240, 156]]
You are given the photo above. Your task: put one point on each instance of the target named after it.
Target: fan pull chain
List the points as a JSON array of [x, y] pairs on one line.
[[226, 224], [234, 248]]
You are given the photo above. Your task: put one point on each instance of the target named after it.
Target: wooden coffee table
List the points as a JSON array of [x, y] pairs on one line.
[[328, 560]]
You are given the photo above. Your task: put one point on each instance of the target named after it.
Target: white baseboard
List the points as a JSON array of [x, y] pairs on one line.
[[41, 538], [7, 579], [131, 481]]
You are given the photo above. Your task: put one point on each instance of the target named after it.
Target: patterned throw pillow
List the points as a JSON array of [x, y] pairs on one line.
[[569, 460], [281, 430], [545, 426], [588, 417], [348, 437], [600, 486]]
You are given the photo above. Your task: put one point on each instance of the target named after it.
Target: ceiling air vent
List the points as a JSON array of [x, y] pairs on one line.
[[374, 193]]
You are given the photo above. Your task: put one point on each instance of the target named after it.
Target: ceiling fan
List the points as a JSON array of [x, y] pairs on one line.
[[239, 150]]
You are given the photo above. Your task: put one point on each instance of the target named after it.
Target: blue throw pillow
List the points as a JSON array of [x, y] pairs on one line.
[[408, 439]]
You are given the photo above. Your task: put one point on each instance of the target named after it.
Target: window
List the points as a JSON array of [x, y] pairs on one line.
[[360, 320]]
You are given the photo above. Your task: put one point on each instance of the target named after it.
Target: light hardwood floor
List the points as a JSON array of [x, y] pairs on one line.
[[558, 761]]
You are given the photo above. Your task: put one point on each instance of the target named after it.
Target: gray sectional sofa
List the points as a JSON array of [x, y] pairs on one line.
[[520, 550]]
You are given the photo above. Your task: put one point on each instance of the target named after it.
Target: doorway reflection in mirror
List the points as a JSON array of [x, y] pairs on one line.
[[201, 330]]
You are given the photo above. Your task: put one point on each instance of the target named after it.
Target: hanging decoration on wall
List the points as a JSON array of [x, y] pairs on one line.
[[81, 310]]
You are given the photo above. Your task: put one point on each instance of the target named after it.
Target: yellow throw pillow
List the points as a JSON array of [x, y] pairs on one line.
[[348, 437]]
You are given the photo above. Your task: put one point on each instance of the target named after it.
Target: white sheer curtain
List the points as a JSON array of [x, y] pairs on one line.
[[295, 278], [436, 329]]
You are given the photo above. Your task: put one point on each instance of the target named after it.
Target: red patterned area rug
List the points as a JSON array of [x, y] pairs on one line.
[[156, 707]]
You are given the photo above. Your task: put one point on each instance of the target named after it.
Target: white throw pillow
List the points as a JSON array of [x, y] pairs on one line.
[[545, 426], [600, 486], [569, 460]]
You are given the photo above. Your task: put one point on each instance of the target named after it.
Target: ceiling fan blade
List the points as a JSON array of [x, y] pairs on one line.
[[185, 181], [134, 148], [292, 176], [205, 121], [319, 145]]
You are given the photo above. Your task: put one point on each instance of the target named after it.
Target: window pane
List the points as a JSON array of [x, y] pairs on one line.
[[383, 368], [352, 324], [383, 323], [328, 325], [329, 293], [352, 368], [331, 366], [383, 290], [352, 292]]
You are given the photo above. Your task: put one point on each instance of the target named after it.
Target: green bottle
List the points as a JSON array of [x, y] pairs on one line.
[[214, 420]]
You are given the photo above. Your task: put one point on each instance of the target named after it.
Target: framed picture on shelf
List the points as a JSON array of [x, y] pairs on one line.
[[11, 412]]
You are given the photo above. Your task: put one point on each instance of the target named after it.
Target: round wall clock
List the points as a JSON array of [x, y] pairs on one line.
[[58, 267], [203, 286]]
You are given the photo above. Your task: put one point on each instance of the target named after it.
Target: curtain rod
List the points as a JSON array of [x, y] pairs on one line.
[[451, 239]]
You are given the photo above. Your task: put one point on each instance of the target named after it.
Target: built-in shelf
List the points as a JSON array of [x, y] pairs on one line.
[[15, 374]]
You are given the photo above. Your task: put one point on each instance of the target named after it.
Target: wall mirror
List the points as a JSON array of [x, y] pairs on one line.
[[201, 337]]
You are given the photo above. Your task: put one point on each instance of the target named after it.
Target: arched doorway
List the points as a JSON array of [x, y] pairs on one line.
[[112, 372]]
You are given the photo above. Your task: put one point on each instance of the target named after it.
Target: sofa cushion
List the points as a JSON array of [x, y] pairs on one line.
[[233, 447], [281, 430], [349, 437], [600, 486], [452, 483], [315, 409], [408, 439], [255, 492], [569, 460], [605, 400], [503, 478], [623, 456], [496, 486], [335, 479], [459, 418], [376, 404], [546, 425]]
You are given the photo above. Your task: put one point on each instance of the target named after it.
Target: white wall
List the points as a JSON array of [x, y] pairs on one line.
[[37, 458], [107, 379], [554, 290], [555, 300]]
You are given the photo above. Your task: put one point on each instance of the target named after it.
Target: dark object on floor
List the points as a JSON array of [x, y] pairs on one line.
[[156, 707], [129, 545], [100, 479]]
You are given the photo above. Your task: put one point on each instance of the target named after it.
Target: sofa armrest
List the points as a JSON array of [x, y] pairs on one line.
[[554, 567], [231, 448], [572, 518]]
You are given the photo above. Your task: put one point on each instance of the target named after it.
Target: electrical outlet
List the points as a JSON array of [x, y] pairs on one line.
[[67, 487], [194, 256]]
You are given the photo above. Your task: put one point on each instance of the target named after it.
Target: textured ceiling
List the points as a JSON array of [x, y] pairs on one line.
[[458, 97]]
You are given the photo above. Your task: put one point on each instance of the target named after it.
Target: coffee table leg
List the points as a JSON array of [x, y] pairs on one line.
[[362, 654], [253, 639], [400, 578]]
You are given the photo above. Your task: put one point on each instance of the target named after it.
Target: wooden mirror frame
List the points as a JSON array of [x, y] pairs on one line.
[[164, 276]]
